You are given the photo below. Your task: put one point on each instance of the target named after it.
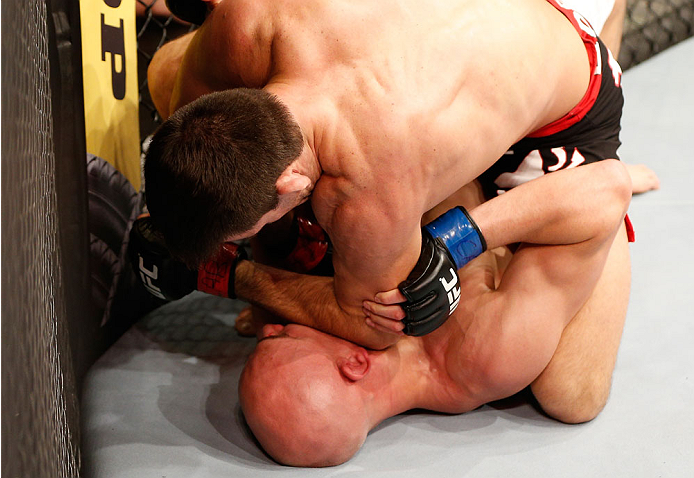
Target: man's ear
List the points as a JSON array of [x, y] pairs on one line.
[[355, 366], [291, 181]]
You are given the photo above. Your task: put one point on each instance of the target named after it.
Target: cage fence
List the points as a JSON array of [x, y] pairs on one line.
[[40, 432]]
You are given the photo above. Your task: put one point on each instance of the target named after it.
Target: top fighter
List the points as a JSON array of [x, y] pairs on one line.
[[378, 122]]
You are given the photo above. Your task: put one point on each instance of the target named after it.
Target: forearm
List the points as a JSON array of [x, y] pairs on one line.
[[306, 300], [563, 207]]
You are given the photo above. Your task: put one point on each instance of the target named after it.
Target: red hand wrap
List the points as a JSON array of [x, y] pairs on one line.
[[216, 276], [311, 246]]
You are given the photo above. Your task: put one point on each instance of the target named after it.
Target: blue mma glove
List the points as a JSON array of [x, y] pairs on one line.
[[432, 289], [460, 235]]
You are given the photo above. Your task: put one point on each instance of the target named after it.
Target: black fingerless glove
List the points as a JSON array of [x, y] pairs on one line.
[[169, 279], [432, 289]]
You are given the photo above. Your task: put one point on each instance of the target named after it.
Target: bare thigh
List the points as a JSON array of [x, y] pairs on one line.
[[576, 383]]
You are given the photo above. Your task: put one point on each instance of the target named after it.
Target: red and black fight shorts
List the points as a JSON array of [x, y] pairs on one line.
[[587, 134]]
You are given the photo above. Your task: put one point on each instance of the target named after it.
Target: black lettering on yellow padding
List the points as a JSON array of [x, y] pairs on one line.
[[111, 90], [112, 41]]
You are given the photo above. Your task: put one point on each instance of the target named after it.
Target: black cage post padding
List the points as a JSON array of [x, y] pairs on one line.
[[70, 175], [93, 325]]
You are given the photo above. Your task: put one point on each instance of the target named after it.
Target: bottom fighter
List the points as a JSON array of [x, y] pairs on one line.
[[311, 398]]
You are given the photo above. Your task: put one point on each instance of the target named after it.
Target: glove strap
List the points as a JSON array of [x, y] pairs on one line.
[[216, 276], [460, 234]]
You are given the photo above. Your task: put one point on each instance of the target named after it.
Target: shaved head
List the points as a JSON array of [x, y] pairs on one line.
[[301, 408]]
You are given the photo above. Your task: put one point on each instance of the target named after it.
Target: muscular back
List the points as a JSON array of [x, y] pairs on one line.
[[439, 70]]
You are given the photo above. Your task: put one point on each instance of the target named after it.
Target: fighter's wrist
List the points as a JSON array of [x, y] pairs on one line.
[[242, 278], [217, 276], [460, 234]]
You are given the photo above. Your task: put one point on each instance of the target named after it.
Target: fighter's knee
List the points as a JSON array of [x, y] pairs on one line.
[[620, 181], [573, 403], [614, 183]]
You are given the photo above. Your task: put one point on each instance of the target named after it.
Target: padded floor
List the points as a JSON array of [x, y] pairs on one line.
[[162, 402]]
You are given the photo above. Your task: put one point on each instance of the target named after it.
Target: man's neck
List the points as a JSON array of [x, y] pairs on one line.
[[306, 116], [308, 160], [402, 377]]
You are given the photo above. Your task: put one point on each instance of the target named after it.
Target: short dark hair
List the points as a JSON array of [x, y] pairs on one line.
[[212, 167]]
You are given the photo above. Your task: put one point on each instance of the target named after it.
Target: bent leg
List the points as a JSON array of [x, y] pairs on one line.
[[611, 33], [575, 385]]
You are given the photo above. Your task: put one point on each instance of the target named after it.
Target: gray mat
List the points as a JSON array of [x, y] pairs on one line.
[[162, 402]]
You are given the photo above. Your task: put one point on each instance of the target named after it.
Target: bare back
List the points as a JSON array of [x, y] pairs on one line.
[[428, 86]]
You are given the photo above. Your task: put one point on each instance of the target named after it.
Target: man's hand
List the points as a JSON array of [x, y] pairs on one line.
[[168, 279], [431, 292], [385, 313]]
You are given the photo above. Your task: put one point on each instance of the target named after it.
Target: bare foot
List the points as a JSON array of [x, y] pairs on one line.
[[643, 178], [244, 324]]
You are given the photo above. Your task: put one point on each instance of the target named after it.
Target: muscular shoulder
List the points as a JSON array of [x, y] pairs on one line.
[[238, 36], [162, 72], [231, 49]]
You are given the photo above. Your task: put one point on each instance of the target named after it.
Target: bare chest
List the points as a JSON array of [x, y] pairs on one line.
[[454, 390]]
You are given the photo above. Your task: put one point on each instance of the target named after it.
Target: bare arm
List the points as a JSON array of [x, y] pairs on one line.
[[224, 53], [315, 301], [304, 299], [576, 208], [521, 322], [179, 73], [162, 72], [203, 69], [564, 207]]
